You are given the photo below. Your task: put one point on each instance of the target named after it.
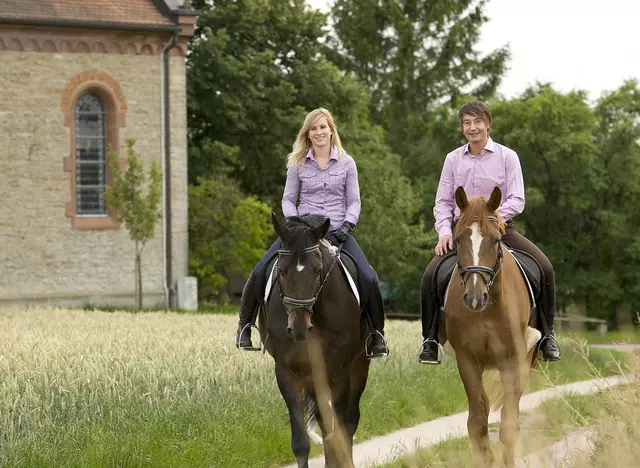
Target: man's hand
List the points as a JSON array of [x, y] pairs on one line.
[[444, 245]]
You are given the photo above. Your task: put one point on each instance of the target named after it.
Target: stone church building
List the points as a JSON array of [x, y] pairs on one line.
[[78, 78]]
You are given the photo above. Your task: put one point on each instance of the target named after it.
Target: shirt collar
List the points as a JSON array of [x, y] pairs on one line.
[[332, 155], [490, 147]]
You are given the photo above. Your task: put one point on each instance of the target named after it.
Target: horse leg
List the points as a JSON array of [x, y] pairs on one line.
[[337, 445], [359, 376], [478, 421], [513, 382], [292, 393]]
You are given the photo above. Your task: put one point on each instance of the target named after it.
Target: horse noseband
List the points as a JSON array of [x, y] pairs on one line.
[[291, 304], [492, 272]]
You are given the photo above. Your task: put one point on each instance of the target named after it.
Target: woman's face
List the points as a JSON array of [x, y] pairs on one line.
[[320, 133]]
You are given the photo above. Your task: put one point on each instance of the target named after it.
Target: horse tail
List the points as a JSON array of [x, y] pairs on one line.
[[309, 408], [492, 381], [493, 388]]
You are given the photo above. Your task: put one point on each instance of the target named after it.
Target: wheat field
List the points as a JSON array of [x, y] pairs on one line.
[[92, 388]]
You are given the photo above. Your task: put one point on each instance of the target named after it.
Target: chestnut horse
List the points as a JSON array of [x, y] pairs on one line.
[[487, 309]]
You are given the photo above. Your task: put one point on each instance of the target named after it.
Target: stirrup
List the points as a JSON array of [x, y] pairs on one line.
[[247, 348], [439, 356], [542, 340], [369, 340]]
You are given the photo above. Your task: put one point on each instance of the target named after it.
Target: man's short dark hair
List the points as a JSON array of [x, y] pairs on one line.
[[476, 109]]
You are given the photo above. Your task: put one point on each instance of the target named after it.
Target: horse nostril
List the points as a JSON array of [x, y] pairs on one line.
[[289, 331], [310, 329], [465, 298], [485, 297]]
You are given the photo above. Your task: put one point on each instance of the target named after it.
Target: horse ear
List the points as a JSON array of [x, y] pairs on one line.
[[494, 200], [322, 230], [279, 228], [461, 198]]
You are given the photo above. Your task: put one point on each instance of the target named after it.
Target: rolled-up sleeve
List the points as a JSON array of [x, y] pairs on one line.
[[514, 201], [352, 194], [445, 202], [291, 192]]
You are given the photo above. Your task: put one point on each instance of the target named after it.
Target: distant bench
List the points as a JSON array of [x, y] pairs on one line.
[[564, 320]]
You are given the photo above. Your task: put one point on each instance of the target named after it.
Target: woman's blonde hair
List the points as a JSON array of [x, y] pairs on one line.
[[302, 145]]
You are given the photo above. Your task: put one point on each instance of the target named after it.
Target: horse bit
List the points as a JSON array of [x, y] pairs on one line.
[[291, 304], [479, 269]]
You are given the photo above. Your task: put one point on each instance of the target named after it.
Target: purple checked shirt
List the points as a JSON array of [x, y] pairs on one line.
[[332, 192], [497, 165]]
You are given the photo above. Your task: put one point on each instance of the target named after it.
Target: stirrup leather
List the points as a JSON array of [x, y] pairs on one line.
[[247, 348], [439, 357], [368, 342]]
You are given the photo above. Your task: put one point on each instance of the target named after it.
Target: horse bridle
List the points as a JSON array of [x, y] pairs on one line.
[[291, 304], [478, 269]]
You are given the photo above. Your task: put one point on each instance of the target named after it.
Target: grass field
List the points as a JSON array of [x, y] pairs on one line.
[[95, 389]]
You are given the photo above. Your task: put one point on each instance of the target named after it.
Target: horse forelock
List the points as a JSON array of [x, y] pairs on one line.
[[477, 212], [300, 235]]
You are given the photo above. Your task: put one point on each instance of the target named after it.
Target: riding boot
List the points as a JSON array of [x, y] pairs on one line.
[[376, 344], [548, 344], [248, 305], [430, 352]]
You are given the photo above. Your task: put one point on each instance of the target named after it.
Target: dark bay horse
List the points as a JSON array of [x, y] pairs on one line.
[[487, 309], [312, 328]]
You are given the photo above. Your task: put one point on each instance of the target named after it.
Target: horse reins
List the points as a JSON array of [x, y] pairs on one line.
[[290, 303], [479, 269]]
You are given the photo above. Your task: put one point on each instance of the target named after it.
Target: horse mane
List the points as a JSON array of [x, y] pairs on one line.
[[477, 212], [299, 229]]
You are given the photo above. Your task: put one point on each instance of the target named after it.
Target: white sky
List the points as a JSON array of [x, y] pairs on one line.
[[574, 44]]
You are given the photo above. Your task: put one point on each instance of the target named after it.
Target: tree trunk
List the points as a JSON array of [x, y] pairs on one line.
[[138, 280]]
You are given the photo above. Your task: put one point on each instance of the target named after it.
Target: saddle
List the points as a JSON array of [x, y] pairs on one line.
[[349, 268], [529, 268]]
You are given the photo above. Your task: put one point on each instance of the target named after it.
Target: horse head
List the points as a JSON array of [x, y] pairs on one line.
[[301, 270], [478, 233]]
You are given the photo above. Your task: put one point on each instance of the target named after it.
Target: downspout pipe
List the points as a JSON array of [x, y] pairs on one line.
[[165, 106]]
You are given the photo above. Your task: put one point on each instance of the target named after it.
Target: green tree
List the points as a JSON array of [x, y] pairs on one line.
[[413, 56], [553, 134], [616, 210], [243, 126], [247, 60], [135, 199], [228, 233]]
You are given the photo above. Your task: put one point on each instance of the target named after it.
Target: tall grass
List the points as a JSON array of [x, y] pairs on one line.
[[88, 388]]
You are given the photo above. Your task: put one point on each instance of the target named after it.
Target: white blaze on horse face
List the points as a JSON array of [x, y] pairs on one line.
[[299, 267], [476, 241]]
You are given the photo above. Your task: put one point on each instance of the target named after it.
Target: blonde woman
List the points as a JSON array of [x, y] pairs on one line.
[[322, 179]]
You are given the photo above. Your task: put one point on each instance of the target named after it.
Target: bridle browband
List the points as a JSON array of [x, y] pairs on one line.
[[291, 304], [479, 269]]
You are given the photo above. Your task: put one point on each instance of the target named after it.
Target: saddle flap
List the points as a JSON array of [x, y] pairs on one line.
[[531, 270], [443, 275]]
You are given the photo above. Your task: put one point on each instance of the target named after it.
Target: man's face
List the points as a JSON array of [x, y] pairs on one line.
[[475, 129]]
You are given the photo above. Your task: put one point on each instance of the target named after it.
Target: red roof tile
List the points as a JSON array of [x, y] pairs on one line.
[[129, 12]]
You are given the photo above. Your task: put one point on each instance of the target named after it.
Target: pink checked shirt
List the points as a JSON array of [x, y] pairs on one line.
[[497, 165], [332, 192]]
